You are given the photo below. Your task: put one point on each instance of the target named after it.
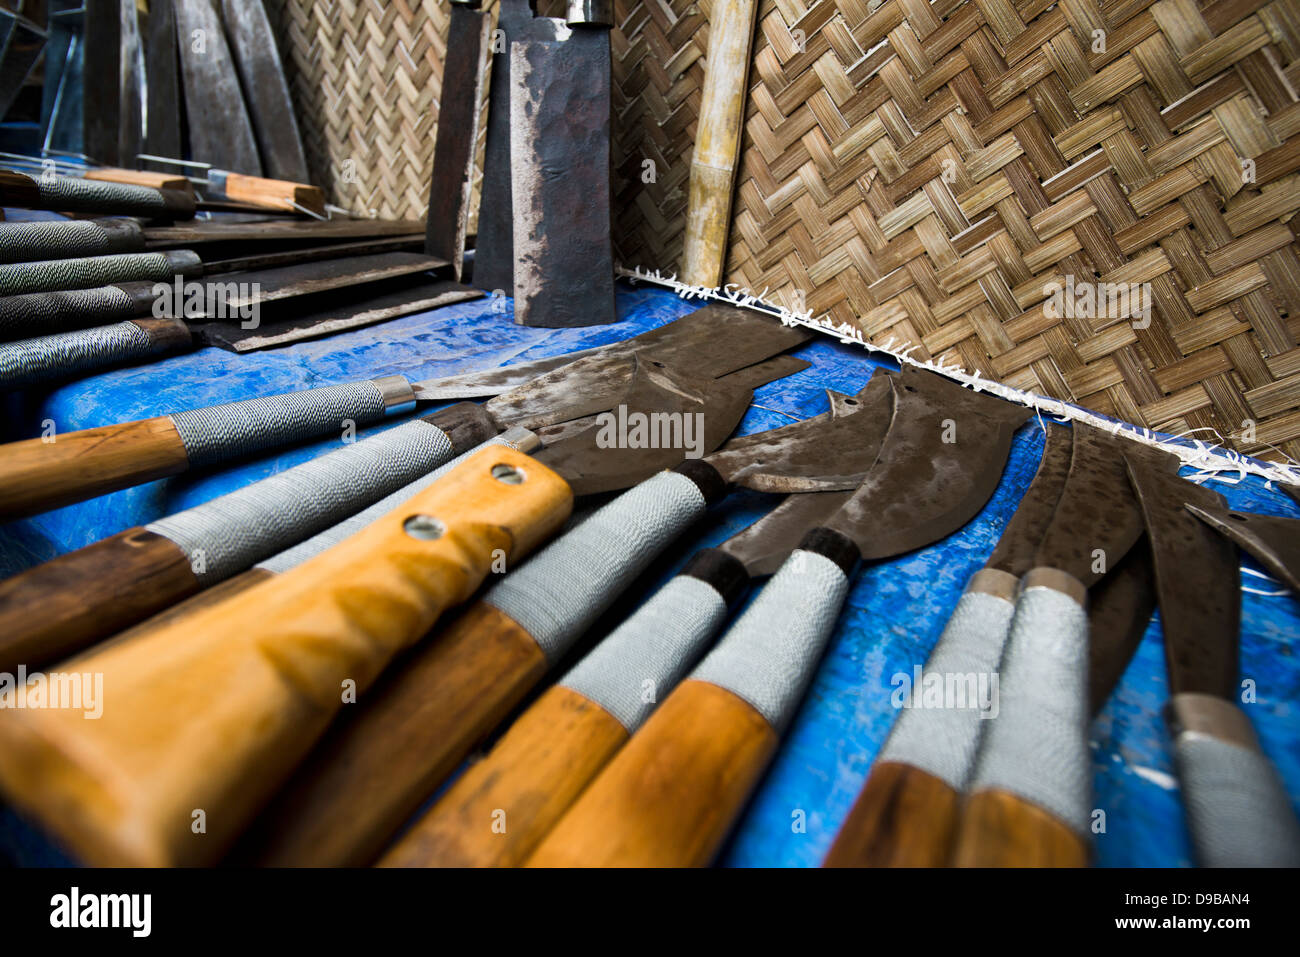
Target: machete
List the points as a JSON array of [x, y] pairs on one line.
[[460, 108], [265, 91], [589, 714], [36, 475], [162, 128], [906, 813], [235, 695], [1274, 540], [101, 79], [1031, 785], [220, 131], [670, 796], [1238, 811]]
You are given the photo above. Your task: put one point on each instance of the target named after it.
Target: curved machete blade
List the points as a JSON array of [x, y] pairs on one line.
[[1097, 516], [593, 384], [765, 545], [940, 461], [1273, 539], [1119, 610], [1024, 531], [1197, 581], [705, 410], [828, 452]]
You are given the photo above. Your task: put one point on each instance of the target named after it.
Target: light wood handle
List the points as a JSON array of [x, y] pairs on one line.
[[141, 177], [904, 817], [498, 810], [273, 193], [375, 768], [202, 720], [1000, 829], [74, 600], [37, 475], [672, 793]]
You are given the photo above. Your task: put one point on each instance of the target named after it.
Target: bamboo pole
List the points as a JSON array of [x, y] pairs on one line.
[[717, 141]]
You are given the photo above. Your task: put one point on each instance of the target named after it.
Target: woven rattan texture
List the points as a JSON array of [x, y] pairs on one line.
[[923, 171]]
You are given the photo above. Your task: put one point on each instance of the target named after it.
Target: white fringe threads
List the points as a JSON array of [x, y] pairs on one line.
[[1207, 459]]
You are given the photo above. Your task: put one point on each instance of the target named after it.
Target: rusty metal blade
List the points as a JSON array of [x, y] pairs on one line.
[[599, 460], [1274, 540], [304, 278], [308, 254], [494, 255], [266, 93], [162, 131], [460, 107], [220, 132], [287, 231], [588, 385], [1198, 584], [821, 454], [131, 71], [709, 342], [1023, 534], [1119, 610], [1097, 519], [940, 461], [102, 93], [765, 545], [560, 169]]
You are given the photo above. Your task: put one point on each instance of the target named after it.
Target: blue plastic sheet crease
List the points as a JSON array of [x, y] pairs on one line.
[[893, 616]]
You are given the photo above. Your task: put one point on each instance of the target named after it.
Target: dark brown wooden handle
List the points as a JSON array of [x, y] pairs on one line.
[[374, 768], [904, 817], [673, 792], [37, 475], [1001, 829], [497, 811], [60, 607]]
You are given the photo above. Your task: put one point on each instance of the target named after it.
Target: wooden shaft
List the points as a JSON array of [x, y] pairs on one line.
[[717, 142], [37, 475], [1000, 829], [375, 768], [272, 193], [904, 817], [74, 600], [497, 811], [672, 793], [204, 719], [141, 177]]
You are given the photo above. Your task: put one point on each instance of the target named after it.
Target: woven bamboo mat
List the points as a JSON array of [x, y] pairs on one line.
[[924, 170]]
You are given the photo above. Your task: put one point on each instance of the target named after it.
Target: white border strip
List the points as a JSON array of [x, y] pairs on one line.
[[1206, 458]]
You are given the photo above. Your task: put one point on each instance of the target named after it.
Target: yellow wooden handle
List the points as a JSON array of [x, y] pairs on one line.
[[140, 177], [1001, 829], [202, 720], [273, 193], [904, 817], [673, 792], [497, 811]]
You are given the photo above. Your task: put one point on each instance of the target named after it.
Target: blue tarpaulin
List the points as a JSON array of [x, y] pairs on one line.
[[893, 616]]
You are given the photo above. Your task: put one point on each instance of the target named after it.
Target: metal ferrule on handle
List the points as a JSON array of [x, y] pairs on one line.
[[30, 362], [1237, 808], [944, 741], [559, 592], [47, 313], [1037, 747], [32, 242], [231, 533], [223, 432], [85, 273]]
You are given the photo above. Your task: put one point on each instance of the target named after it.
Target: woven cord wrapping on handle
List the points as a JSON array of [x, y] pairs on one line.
[[29, 242], [57, 274], [557, 594], [769, 655], [99, 196], [229, 534], [46, 313], [30, 361], [1237, 808], [1037, 747], [944, 741], [222, 432], [636, 666]]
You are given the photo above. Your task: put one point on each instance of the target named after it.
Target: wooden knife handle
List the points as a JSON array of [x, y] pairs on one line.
[[375, 768], [204, 719], [904, 817], [141, 177], [1001, 829], [37, 475], [272, 193], [498, 810], [72, 601], [670, 796]]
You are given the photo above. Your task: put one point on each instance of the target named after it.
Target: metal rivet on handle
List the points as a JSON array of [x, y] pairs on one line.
[[424, 527], [508, 474]]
